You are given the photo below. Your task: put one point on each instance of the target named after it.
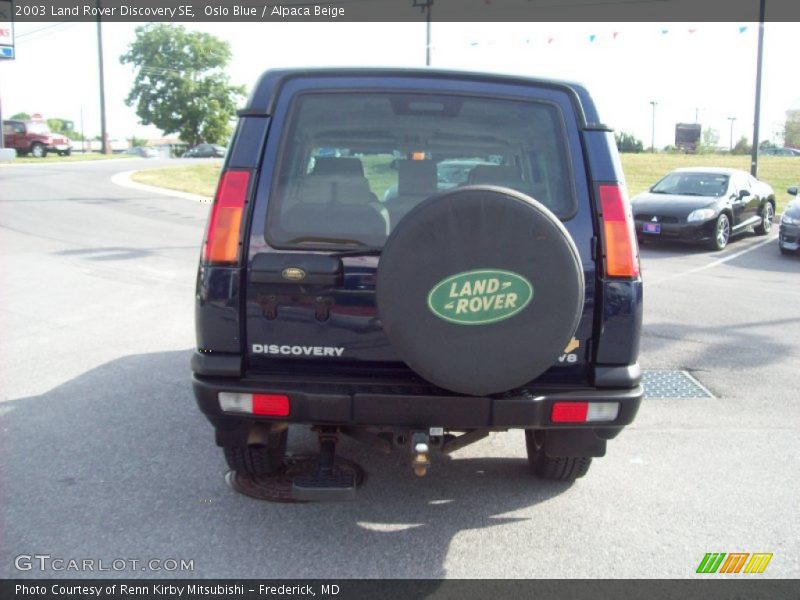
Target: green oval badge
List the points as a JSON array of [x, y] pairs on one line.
[[480, 297]]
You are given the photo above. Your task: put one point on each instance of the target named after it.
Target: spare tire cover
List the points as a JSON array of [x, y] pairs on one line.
[[480, 289]]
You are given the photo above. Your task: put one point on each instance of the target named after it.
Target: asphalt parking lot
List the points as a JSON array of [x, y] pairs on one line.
[[105, 455]]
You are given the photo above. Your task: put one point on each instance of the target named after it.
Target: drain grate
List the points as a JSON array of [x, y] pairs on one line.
[[663, 383], [278, 488]]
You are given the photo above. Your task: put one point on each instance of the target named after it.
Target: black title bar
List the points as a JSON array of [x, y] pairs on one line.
[[704, 587], [254, 11]]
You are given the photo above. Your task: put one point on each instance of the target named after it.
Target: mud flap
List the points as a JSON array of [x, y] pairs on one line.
[[573, 442]]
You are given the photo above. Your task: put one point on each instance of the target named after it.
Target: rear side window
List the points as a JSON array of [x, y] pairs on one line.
[[353, 164]]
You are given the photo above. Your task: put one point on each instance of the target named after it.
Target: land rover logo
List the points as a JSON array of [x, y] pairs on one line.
[[293, 274], [480, 297]]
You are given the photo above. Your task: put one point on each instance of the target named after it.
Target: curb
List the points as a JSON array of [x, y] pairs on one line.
[[123, 179]]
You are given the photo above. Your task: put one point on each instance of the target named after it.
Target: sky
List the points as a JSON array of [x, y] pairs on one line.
[[703, 71]]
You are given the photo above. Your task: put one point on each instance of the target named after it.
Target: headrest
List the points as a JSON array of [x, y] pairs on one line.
[[322, 189], [416, 177], [495, 175], [329, 165]]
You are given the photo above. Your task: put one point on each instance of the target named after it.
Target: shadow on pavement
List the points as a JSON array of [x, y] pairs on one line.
[[722, 348], [119, 463]]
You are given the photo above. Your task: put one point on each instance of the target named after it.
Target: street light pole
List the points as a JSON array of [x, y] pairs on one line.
[[754, 150], [425, 6], [653, 103], [105, 149], [731, 119]]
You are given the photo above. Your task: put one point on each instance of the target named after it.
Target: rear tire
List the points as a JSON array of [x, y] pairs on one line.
[[722, 233], [766, 220], [258, 460], [559, 468]]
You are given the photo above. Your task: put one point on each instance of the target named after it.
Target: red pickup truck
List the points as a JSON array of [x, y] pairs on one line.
[[34, 137]]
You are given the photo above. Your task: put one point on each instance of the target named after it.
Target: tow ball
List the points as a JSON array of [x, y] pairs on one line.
[[420, 446]]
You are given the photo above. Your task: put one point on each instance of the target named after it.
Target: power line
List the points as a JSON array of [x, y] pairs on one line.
[[22, 36]]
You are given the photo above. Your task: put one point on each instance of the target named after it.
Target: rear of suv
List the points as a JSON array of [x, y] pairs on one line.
[[347, 285]]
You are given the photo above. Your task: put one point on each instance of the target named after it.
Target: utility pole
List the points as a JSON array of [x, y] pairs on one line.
[[105, 148], [425, 6], [653, 103], [731, 119], [757, 118]]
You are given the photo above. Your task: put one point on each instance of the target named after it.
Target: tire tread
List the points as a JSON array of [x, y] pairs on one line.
[[258, 460]]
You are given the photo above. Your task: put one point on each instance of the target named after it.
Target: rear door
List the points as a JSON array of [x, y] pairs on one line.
[[335, 180], [10, 134]]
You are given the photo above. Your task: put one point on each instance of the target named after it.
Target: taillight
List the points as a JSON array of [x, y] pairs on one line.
[[584, 412], [622, 253], [225, 222], [265, 405]]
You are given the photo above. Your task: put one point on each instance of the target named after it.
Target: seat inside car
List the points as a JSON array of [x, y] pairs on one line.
[[416, 181], [336, 197]]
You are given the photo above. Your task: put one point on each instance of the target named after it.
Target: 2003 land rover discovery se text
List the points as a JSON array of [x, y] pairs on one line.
[[345, 284]]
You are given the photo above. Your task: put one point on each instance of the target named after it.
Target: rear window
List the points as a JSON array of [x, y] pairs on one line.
[[353, 164]]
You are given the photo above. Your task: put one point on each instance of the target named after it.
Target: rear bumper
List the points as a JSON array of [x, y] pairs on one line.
[[389, 404]]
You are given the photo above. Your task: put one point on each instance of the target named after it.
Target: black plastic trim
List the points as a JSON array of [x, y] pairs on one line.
[[369, 403], [216, 365], [311, 269], [626, 376]]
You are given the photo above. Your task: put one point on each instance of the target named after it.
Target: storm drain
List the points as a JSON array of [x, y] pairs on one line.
[[665, 384], [278, 487]]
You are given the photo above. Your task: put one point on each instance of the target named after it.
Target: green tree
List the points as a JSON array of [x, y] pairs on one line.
[[627, 142], [742, 146], [21, 116], [708, 141], [62, 126], [791, 133], [180, 85]]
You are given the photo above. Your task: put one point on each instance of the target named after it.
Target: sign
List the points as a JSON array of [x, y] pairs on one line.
[[6, 29], [480, 297]]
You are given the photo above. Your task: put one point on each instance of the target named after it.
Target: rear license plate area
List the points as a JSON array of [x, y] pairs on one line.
[[652, 228]]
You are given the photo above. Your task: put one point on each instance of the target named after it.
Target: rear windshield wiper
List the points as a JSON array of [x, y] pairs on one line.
[[358, 252], [361, 249]]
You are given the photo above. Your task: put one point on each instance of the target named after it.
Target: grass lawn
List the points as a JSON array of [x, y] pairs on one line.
[[641, 171], [195, 179], [55, 158]]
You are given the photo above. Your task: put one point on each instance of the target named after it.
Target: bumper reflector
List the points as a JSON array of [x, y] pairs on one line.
[[602, 411], [584, 412], [266, 405]]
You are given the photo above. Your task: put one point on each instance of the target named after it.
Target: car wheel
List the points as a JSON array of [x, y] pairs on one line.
[[38, 151], [65, 152], [722, 233], [557, 468], [262, 459], [766, 220]]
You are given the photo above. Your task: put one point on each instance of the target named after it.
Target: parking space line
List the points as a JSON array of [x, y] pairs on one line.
[[713, 264]]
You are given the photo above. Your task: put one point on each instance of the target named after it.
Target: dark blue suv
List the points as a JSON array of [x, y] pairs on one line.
[[342, 288]]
